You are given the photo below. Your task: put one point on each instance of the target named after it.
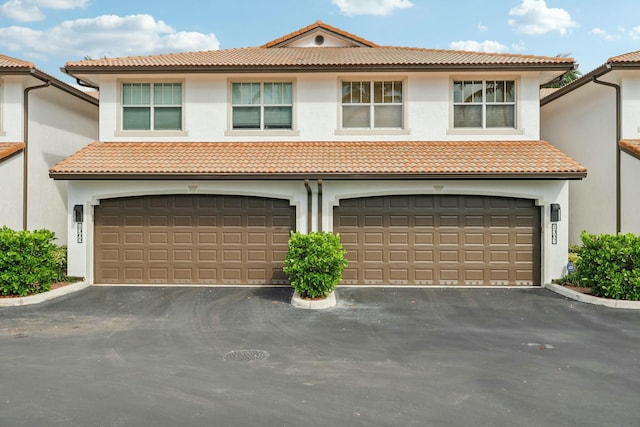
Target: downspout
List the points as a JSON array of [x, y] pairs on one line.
[[309, 201], [319, 204], [618, 137], [25, 155]]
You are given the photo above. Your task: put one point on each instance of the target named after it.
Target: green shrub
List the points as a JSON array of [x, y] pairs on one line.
[[314, 263], [610, 264], [60, 256], [27, 261]]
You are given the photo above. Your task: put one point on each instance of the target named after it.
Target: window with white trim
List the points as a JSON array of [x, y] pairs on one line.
[[152, 106], [372, 105], [484, 104], [262, 105]]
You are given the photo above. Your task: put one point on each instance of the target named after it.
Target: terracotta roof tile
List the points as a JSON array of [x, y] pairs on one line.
[[9, 148], [489, 159], [631, 146], [309, 58], [316, 25], [630, 57], [8, 62]]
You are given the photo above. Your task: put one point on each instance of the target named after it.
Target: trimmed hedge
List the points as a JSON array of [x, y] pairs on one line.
[[314, 263], [27, 261], [610, 264]]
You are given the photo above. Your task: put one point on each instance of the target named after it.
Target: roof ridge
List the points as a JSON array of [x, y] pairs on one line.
[[315, 25]]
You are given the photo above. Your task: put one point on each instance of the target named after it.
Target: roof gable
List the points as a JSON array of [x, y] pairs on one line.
[[319, 34]]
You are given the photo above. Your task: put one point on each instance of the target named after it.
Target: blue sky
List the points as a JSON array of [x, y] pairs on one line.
[[52, 32]]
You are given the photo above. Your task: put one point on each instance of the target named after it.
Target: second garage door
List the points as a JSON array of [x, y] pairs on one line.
[[192, 239], [440, 240]]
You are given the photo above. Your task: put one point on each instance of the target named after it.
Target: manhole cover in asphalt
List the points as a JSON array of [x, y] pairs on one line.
[[246, 355]]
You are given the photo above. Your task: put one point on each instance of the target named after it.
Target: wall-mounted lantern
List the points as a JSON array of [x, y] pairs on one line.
[[78, 213], [555, 212]]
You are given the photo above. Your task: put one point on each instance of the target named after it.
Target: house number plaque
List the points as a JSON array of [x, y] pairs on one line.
[[554, 234], [79, 231]]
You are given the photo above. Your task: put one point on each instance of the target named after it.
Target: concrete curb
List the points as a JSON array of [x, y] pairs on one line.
[[590, 299], [321, 304], [45, 296]]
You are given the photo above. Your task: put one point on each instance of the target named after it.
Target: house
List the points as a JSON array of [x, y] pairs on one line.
[[596, 120], [42, 121], [429, 164]]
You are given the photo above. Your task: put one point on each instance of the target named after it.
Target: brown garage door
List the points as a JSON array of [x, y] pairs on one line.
[[440, 240], [192, 239]]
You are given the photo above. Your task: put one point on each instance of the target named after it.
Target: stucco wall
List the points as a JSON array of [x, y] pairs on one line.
[[630, 194], [317, 109], [582, 124], [11, 192], [59, 125]]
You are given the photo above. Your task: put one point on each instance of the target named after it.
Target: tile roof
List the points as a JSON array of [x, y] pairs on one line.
[[314, 26], [631, 57], [631, 146], [310, 58], [9, 148], [436, 159], [7, 62], [276, 56]]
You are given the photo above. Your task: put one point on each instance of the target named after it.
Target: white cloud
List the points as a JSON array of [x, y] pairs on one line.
[[475, 46], [518, 47], [107, 35], [634, 33], [371, 7], [534, 17], [31, 10], [482, 28], [605, 35]]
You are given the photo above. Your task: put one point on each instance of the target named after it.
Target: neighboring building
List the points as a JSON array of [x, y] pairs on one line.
[[42, 121], [596, 120], [428, 163]]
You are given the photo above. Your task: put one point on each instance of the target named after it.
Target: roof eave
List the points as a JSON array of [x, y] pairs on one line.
[[75, 71], [576, 175]]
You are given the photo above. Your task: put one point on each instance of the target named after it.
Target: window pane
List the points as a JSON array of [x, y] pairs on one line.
[[378, 92], [472, 91], [167, 94], [467, 116], [245, 93], [388, 116], [136, 118], [277, 93], [491, 89], [457, 91], [167, 118], [346, 92], [246, 117], [136, 94], [277, 117], [500, 116], [510, 91], [356, 117], [396, 97]]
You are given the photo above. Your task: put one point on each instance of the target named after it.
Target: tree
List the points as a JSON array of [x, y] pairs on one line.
[[567, 77]]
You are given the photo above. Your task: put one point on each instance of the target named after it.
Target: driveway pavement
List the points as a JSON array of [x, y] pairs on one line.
[[128, 356]]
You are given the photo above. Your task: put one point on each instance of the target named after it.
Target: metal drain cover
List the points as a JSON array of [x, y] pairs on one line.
[[246, 355]]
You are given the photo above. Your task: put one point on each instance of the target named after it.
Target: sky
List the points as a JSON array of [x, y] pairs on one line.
[[49, 33]]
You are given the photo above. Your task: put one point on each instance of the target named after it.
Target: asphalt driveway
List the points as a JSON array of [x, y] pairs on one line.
[[109, 356]]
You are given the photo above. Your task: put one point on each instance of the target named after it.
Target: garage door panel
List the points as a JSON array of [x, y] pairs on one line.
[[437, 239], [192, 239]]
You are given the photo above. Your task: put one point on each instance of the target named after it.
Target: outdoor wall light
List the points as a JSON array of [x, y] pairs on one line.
[[555, 212], [78, 213]]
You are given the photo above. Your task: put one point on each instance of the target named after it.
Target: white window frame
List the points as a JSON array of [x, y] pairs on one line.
[[371, 129], [231, 131], [120, 131], [483, 129]]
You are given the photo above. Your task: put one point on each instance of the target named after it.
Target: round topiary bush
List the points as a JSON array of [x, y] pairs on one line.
[[314, 263]]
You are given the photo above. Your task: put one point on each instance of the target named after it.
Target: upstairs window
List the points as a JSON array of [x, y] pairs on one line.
[[484, 104], [262, 105], [152, 106], [372, 105]]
